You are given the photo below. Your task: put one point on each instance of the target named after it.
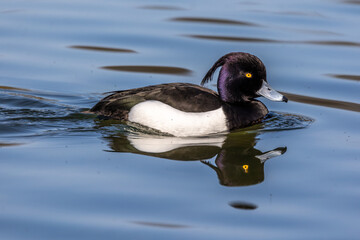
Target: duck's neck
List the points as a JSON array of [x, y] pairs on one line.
[[222, 85], [244, 114]]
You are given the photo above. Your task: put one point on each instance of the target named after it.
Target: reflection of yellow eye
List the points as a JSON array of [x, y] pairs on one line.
[[248, 75], [246, 167]]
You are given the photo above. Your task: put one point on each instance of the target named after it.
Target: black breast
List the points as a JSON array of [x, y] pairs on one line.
[[182, 96], [244, 114]]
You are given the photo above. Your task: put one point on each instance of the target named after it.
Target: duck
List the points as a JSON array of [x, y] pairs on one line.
[[186, 109]]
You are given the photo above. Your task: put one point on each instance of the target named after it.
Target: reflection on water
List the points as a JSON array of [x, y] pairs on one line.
[[151, 69], [182, 149], [345, 76], [351, 1], [291, 13], [332, 43], [2, 144], [161, 7], [161, 225], [237, 161], [232, 38], [316, 32], [102, 49], [243, 205], [323, 102], [13, 88], [267, 40], [212, 20]]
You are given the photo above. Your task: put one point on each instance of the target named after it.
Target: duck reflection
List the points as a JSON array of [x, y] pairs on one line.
[[237, 162]]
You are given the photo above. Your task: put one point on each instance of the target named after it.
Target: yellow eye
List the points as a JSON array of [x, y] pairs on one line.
[[248, 75]]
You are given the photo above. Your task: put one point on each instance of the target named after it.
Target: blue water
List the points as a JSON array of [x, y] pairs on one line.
[[67, 175]]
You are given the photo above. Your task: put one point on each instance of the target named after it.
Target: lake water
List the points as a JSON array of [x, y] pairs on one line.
[[68, 175]]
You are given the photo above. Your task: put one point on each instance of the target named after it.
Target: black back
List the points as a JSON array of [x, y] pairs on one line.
[[182, 96]]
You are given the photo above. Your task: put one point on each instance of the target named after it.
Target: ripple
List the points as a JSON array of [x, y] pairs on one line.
[[102, 49], [243, 205], [33, 115], [232, 38], [352, 2], [345, 76], [14, 88], [333, 43], [11, 11], [3, 144], [150, 69], [267, 40], [278, 121], [292, 13], [349, 106], [161, 7], [21, 100], [212, 21], [275, 121], [315, 32], [161, 225], [31, 123], [29, 115]]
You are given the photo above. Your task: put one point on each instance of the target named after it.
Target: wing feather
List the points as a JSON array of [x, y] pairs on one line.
[[182, 96]]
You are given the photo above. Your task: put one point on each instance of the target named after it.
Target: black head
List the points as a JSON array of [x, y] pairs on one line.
[[242, 78]]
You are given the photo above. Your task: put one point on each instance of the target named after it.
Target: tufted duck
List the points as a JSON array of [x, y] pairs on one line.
[[184, 109]]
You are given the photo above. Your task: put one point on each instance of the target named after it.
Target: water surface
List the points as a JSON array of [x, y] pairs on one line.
[[66, 174]]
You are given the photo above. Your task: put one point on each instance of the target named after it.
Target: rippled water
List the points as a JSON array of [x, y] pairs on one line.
[[67, 175]]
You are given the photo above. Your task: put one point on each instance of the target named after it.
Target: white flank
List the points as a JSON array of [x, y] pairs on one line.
[[165, 144], [160, 116]]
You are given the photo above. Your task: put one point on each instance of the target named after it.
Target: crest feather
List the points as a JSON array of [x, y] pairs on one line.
[[209, 74], [219, 63]]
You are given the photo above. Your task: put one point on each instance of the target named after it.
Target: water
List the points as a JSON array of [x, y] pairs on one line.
[[66, 174]]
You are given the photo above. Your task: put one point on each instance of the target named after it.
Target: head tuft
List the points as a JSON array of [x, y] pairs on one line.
[[230, 57]]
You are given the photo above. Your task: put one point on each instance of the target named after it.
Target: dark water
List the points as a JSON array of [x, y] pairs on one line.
[[67, 175]]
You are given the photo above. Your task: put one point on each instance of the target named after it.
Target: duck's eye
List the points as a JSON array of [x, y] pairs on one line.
[[248, 75]]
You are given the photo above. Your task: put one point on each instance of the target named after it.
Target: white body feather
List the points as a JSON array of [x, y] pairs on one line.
[[160, 116]]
